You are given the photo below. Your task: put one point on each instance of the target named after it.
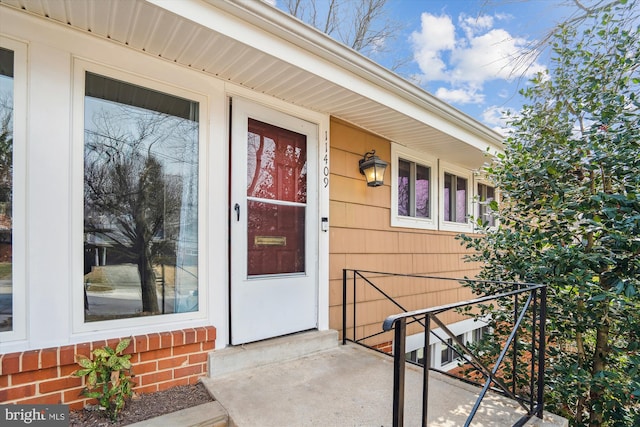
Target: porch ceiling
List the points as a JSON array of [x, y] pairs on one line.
[[392, 108]]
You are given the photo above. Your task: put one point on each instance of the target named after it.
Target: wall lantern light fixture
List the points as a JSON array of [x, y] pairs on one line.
[[373, 168]]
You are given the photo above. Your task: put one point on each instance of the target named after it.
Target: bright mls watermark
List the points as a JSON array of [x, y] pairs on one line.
[[36, 415]]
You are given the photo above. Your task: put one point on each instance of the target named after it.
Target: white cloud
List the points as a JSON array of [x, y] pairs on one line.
[[494, 117], [379, 45], [472, 25], [460, 95], [466, 60], [489, 56], [436, 36]]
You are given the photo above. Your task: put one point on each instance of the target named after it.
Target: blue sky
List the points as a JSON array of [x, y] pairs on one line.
[[464, 51]]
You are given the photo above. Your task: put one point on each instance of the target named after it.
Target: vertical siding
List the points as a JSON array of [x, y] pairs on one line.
[[362, 238]]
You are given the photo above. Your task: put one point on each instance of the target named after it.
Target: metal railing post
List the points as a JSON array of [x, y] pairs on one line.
[[400, 334], [344, 306], [542, 350], [426, 366], [532, 375], [514, 368], [355, 273]]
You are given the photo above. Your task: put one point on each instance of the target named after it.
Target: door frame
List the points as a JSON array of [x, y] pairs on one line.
[[265, 306], [221, 316]]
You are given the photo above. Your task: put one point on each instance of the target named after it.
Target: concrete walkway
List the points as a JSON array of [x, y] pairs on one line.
[[342, 386]]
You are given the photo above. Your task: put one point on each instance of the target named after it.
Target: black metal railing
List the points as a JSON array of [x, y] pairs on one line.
[[533, 310]]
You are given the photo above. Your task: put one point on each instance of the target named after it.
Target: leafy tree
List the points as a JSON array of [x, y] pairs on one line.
[[569, 216]]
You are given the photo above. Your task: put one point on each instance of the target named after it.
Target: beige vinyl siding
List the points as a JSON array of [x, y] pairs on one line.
[[361, 237]]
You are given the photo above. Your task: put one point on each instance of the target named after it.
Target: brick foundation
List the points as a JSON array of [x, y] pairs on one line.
[[160, 361], [386, 347]]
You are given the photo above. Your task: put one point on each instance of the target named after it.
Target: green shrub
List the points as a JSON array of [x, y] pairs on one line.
[[108, 377]]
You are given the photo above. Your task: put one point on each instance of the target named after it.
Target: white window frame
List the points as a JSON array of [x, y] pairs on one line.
[[461, 172], [399, 152], [80, 67], [19, 229]]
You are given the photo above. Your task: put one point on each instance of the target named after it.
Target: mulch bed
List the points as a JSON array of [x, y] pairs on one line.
[[144, 407]]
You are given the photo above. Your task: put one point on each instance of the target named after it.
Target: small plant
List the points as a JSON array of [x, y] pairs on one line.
[[108, 377]]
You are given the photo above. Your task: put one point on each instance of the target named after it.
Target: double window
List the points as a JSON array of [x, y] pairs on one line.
[[430, 194], [140, 201], [414, 189]]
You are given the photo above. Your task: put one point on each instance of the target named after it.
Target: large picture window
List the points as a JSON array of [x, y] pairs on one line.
[[6, 189], [140, 201]]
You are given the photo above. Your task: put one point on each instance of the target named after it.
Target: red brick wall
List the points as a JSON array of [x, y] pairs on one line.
[[160, 361], [386, 347]]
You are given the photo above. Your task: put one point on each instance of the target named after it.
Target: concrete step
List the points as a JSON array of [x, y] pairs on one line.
[[210, 414], [349, 386], [238, 358]]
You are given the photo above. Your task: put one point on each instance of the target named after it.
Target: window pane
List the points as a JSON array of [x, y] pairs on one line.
[[491, 193], [461, 199], [446, 355], [404, 189], [276, 171], [413, 189], [6, 189], [422, 191], [449, 203], [486, 194], [140, 201], [276, 239], [276, 163]]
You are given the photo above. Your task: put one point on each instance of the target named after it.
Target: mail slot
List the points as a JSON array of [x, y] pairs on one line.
[[270, 240]]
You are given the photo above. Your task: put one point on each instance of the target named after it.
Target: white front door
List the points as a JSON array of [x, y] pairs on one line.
[[274, 223]]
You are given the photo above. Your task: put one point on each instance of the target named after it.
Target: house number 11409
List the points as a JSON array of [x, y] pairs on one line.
[[325, 159]]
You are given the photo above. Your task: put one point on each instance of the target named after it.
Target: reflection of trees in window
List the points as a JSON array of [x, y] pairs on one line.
[[6, 189], [404, 174], [276, 163], [455, 198], [413, 189], [277, 194], [140, 193]]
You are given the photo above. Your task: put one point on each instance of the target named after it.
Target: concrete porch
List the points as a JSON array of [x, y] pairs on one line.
[[308, 379]]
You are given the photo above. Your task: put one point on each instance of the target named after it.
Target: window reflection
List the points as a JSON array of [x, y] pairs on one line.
[[461, 200], [6, 189], [486, 194], [413, 189], [404, 193], [455, 198], [140, 201], [277, 196], [422, 191]]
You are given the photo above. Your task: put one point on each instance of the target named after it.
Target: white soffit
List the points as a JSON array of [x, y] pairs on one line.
[[253, 44]]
